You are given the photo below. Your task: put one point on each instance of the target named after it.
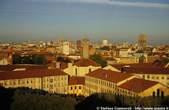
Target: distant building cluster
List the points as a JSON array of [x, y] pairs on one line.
[[68, 67]]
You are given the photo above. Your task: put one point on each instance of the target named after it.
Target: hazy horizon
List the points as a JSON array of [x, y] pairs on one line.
[[115, 20]]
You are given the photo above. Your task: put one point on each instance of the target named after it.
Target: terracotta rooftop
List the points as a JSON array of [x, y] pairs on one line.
[[138, 85], [86, 62], [74, 80], [63, 65], [145, 68], [32, 53], [16, 66], [109, 75], [30, 73]]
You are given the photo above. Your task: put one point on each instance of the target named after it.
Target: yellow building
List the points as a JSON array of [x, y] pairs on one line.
[[76, 85], [146, 71], [104, 81], [127, 60], [107, 81], [51, 80], [81, 67], [143, 88]]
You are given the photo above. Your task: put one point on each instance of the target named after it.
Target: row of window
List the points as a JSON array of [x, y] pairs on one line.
[[17, 82], [101, 82], [51, 86], [75, 87], [20, 82], [52, 79], [155, 77]]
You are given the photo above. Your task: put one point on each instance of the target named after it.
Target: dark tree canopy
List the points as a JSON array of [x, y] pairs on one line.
[[31, 59], [98, 59], [34, 99]]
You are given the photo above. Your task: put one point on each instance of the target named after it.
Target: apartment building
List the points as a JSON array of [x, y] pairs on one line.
[[51, 80], [146, 71], [107, 81], [81, 67]]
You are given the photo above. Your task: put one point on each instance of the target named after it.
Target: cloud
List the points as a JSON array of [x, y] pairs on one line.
[[116, 2], [123, 3]]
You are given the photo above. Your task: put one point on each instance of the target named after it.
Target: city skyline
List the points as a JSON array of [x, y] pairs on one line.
[[116, 20]]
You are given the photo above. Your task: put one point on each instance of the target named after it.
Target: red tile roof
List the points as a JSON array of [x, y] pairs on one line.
[[16, 66], [74, 80], [30, 73], [145, 68], [109, 75], [63, 65], [86, 62], [138, 85]]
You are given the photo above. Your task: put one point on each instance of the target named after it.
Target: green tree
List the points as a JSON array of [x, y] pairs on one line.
[[26, 60], [39, 59], [16, 59], [98, 59], [141, 59]]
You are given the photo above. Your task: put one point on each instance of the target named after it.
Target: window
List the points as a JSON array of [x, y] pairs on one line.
[[61, 78], [51, 86], [51, 80], [79, 87], [76, 71], [158, 92], [71, 88], [5, 83], [90, 70], [19, 81], [162, 77], [157, 77], [148, 76]]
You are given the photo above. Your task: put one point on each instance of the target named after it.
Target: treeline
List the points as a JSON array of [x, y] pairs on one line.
[[110, 100], [28, 99], [31, 59]]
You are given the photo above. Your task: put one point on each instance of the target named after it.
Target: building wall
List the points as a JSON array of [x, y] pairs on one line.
[[53, 84], [85, 44], [76, 89], [125, 92], [149, 91], [123, 53], [4, 61], [66, 47], [94, 85], [127, 60], [79, 71]]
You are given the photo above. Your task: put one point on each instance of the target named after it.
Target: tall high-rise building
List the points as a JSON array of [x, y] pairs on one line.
[[85, 44], [78, 44], [66, 47], [142, 41]]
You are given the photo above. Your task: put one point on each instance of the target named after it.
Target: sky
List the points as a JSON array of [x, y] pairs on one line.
[[115, 20]]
